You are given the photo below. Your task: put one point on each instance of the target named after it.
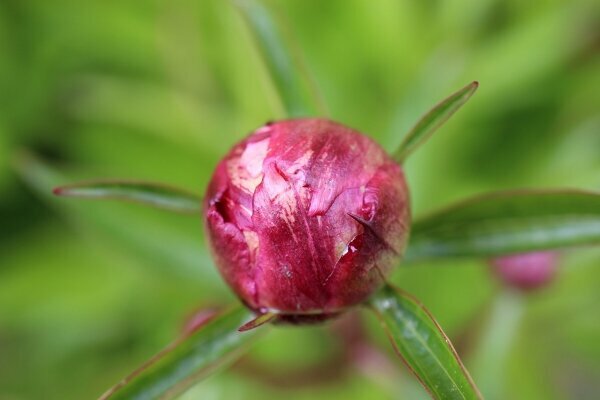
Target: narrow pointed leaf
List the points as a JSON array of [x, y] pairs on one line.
[[433, 120], [172, 247], [151, 194], [258, 321], [423, 346], [295, 86], [508, 222], [189, 359]]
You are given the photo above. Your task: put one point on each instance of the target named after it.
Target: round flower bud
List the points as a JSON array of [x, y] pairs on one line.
[[526, 271], [306, 217]]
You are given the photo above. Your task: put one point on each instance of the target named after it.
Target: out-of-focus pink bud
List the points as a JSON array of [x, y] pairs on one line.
[[198, 319], [306, 217], [526, 271]]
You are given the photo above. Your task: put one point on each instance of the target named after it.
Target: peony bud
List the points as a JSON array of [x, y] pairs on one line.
[[306, 217], [526, 271]]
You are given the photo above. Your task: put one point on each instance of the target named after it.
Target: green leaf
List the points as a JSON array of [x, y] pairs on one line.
[[189, 360], [508, 222], [293, 82], [158, 239], [152, 194], [423, 346], [433, 120]]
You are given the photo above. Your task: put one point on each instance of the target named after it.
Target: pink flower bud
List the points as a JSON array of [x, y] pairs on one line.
[[526, 271], [306, 217]]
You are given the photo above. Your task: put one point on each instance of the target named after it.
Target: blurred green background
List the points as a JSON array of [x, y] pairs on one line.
[[159, 90]]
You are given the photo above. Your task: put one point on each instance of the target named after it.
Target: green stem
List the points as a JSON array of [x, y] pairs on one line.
[[491, 354]]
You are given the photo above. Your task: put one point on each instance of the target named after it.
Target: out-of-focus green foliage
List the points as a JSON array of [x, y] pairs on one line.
[[283, 60], [158, 90]]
